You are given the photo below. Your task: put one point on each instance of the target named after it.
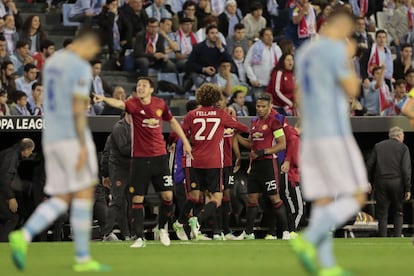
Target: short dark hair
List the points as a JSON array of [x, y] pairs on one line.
[[35, 85], [2, 38], [340, 12], [150, 80], [152, 20], [208, 94], [88, 33], [28, 67], [380, 32], [191, 105], [22, 43], [188, 3], [3, 92], [256, 6], [95, 61], [262, 31], [210, 27], [18, 95], [26, 143], [375, 69], [66, 42], [265, 97], [406, 45], [399, 82], [5, 64], [164, 19], [239, 26], [410, 71], [46, 44]]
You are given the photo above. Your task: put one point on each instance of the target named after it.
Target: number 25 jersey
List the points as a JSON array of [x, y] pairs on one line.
[[205, 127]]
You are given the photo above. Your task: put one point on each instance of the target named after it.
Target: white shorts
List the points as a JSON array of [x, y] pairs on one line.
[[61, 175], [331, 167]]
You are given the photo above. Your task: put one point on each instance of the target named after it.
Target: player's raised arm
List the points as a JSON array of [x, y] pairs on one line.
[[111, 101], [176, 127]]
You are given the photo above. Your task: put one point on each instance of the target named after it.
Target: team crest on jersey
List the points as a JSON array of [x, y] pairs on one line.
[[131, 190], [158, 112], [151, 123], [264, 127], [193, 185]]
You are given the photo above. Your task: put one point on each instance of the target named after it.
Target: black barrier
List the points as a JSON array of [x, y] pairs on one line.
[[105, 123]]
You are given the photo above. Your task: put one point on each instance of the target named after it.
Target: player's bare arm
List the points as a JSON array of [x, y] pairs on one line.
[[176, 127], [245, 142], [236, 150], [79, 105], [110, 101]]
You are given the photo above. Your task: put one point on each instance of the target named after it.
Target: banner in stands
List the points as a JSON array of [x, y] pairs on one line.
[[21, 123]]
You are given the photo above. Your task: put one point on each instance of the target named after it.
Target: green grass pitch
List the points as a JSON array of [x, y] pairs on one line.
[[258, 257]]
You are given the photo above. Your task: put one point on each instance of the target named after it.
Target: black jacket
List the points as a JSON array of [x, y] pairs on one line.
[[134, 23], [203, 56], [105, 21], [223, 24], [390, 160], [9, 163]]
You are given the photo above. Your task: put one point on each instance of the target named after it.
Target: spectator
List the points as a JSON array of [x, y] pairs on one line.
[[380, 54], [225, 79], [404, 62], [217, 6], [356, 108], [287, 46], [32, 32], [237, 101], [135, 19], [47, 48], [261, 58], [201, 33], [365, 42], [4, 56], [389, 169], [26, 82], [4, 107], [400, 24], [363, 8], [302, 23], [189, 8], [149, 50], [205, 58], [85, 11], [119, 94], [21, 57], [254, 21], [238, 39], [8, 7], [158, 10], [400, 96], [99, 86], [67, 42], [170, 39], [409, 78], [377, 94], [202, 10], [110, 25], [238, 64], [187, 39], [37, 94], [10, 159], [19, 107], [8, 79], [10, 33], [325, 12], [229, 18], [1, 24], [282, 86]]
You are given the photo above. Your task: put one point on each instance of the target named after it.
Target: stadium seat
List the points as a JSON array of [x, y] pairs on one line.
[[66, 8]]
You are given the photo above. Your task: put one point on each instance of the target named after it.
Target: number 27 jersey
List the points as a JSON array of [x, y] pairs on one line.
[[205, 127]]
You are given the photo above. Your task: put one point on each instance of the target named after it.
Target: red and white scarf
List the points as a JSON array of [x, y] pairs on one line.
[[151, 44], [410, 15], [186, 47], [307, 24], [374, 58], [363, 6], [385, 100]]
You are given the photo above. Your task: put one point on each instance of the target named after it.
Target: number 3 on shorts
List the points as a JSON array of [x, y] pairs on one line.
[[271, 185], [167, 180]]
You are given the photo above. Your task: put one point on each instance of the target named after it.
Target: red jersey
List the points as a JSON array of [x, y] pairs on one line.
[[292, 155], [228, 147], [205, 127], [262, 134], [38, 60], [147, 138]]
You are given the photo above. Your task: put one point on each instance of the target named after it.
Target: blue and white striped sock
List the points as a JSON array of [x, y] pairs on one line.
[[45, 214], [80, 219]]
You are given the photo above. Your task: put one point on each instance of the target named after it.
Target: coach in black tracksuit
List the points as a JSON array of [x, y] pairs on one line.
[[389, 169], [119, 159]]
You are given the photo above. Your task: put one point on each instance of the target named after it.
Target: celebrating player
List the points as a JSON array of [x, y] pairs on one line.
[[333, 172], [150, 161], [266, 139], [205, 125], [71, 164]]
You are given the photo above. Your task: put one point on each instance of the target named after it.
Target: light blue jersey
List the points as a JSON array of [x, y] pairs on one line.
[[64, 75], [320, 65]]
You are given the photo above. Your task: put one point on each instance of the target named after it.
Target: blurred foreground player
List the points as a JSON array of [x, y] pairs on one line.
[[333, 172], [71, 163]]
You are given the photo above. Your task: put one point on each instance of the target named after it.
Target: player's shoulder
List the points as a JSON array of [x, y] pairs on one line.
[[158, 101], [411, 93]]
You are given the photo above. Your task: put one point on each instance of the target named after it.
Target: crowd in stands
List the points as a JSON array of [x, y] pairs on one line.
[[244, 46]]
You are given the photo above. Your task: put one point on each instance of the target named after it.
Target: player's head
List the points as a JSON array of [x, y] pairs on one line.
[[208, 94], [145, 87], [191, 105], [264, 105], [396, 133], [26, 147], [87, 43], [340, 24], [222, 103]]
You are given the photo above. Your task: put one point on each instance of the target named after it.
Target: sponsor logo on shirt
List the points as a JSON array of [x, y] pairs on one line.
[[151, 123], [257, 136]]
